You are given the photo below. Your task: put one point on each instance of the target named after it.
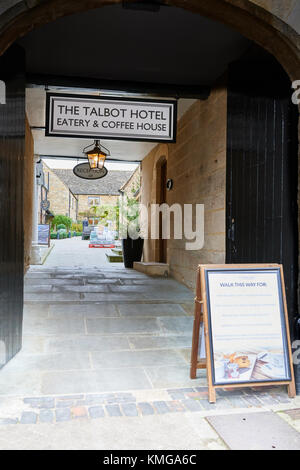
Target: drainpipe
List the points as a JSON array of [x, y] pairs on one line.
[[35, 256]]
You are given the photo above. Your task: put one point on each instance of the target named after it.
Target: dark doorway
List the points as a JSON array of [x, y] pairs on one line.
[[262, 213], [12, 142]]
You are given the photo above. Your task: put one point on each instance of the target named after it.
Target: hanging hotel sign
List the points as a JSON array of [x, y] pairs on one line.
[[246, 327], [110, 118], [83, 170]]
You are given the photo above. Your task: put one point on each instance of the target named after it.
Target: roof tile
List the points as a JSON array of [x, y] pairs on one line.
[[109, 185]]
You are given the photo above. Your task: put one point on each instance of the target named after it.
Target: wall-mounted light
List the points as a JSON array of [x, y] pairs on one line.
[[96, 155]]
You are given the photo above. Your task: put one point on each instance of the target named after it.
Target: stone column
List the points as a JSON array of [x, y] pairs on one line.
[[35, 257]]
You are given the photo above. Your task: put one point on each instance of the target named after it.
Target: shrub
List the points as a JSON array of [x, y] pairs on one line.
[[61, 219], [61, 226], [76, 227], [53, 235]]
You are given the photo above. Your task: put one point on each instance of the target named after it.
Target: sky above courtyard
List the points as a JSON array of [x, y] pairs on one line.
[[70, 163]]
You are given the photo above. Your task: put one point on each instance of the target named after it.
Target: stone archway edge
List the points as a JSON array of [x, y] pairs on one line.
[[245, 16]]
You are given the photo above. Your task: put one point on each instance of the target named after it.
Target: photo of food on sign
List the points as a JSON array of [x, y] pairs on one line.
[[241, 366]]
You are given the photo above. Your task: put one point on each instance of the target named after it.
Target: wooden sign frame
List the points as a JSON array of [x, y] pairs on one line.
[[202, 317]]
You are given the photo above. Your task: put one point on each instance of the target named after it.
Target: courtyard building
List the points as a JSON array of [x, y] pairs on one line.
[[62, 200], [89, 195]]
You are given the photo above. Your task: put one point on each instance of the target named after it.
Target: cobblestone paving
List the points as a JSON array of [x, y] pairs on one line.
[[56, 409]]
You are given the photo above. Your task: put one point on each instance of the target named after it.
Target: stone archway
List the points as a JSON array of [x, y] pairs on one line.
[[259, 21]]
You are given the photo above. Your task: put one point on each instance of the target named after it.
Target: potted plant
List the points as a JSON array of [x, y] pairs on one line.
[[132, 242]]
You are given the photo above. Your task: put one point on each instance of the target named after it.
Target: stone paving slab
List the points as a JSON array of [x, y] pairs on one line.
[[53, 326], [94, 380], [161, 432], [160, 342], [101, 288], [256, 431], [135, 358], [122, 326], [51, 297], [173, 376], [55, 361], [90, 310], [87, 343], [34, 281], [151, 310], [181, 325]]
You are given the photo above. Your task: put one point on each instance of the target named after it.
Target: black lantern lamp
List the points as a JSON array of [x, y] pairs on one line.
[[96, 156]]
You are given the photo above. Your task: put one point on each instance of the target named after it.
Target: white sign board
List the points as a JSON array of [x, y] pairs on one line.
[[247, 326], [95, 117]]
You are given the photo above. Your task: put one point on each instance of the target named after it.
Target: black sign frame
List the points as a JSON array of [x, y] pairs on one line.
[[282, 319], [49, 118]]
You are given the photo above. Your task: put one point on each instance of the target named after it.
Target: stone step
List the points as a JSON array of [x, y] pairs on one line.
[[114, 258], [152, 268], [117, 251]]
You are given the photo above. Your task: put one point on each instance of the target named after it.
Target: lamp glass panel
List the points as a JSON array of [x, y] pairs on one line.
[[93, 160], [101, 160]]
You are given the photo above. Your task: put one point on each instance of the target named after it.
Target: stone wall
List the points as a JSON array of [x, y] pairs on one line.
[[83, 202], [197, 165], [59, 195], [28, 189], [133, 184], [270, 23]]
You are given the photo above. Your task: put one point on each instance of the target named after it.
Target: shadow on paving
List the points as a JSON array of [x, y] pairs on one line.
[[99, 330]]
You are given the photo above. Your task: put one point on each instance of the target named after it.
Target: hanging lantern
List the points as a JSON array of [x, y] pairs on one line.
[[96, 156]]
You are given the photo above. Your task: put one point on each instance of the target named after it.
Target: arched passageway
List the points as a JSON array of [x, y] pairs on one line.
[[206, 142]]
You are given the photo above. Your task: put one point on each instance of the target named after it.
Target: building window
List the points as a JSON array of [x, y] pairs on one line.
[[93, 201]]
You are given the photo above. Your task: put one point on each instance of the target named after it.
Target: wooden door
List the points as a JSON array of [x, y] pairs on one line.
[[262, 173], [12, 147]]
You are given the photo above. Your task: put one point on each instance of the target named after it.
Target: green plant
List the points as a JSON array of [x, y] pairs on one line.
[[53, 235], [105, 213], [129, 217], [61, 219], [61, 226]]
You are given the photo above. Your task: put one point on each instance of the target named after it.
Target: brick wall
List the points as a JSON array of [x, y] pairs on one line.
[[197, 165]]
